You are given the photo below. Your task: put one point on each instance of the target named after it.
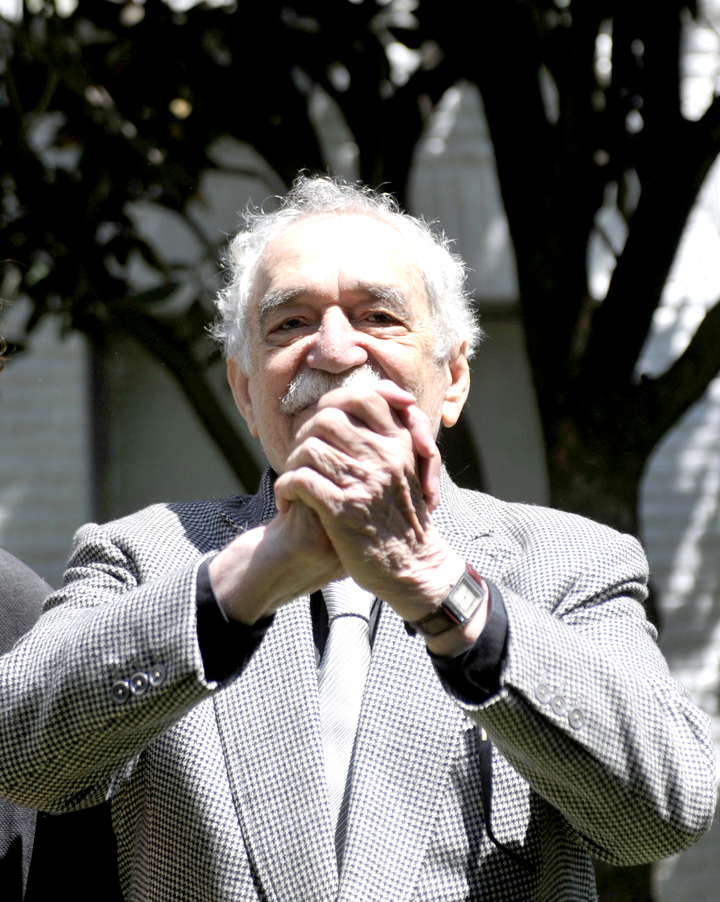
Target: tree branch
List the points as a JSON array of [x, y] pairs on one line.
[[671, 183], [159, 340], [161, 343], [549, 184], [623, 320], [673, 393]]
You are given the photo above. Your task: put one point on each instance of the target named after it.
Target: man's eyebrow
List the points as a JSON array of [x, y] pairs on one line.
[[275, 299], [390, 294], [393, 297]]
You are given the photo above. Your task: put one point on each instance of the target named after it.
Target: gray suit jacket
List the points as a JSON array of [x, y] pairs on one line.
[[22, 593], [219, 792]]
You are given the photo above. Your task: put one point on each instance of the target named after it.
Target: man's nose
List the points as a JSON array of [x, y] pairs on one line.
[[335, 347]]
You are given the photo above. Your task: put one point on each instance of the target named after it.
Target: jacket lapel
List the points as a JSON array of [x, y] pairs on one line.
[[269, 724], [408, 735]]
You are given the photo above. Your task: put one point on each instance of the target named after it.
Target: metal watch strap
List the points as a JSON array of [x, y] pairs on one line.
[[444, 618]]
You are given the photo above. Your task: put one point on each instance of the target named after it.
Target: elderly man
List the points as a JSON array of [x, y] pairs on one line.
[[362, 682]]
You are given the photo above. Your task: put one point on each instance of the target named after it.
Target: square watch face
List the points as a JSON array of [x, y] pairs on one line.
[[466, 596]]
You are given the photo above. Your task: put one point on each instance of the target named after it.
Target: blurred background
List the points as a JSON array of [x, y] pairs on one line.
[[569, 148]]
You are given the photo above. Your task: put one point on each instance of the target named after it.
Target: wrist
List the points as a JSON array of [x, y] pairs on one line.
[[423, 586], [231, 578], [263, 569], [460, 616]]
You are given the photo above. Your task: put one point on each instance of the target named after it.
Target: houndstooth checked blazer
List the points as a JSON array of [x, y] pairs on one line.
[[219, 793]]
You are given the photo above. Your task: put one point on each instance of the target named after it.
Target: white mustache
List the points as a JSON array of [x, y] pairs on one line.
[[310, 385]]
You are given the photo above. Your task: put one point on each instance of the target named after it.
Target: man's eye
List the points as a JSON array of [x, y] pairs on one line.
[[382, 318], [289, 324]]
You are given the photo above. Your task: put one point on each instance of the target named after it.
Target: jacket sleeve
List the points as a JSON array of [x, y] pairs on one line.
[[588, 713], [110, 665]]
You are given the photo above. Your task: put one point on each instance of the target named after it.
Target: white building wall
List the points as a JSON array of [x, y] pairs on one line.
[[45, 448]]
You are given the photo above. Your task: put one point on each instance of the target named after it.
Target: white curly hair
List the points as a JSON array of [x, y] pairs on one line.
[[443, 271]]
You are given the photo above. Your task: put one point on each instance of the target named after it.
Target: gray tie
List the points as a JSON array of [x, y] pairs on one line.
[[341, 681]]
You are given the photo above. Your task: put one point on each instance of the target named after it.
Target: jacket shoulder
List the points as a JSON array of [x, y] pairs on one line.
[[514, 519], [539, 538], [158, 539]]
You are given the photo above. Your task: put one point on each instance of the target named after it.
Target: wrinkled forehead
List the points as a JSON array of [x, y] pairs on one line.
[[334, 253]]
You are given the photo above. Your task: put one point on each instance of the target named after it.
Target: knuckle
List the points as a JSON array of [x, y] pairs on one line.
[[313, 448], [330, 419]]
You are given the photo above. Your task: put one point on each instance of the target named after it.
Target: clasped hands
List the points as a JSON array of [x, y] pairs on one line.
[[354, 499]]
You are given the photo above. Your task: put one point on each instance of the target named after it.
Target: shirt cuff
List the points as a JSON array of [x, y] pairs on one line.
[[225, 645], [474, 675]]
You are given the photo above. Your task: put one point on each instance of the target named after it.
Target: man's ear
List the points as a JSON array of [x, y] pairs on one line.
[[458, 388], [240, 387]]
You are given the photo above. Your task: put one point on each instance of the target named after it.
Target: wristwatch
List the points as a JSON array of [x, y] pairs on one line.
[[461, 602]]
